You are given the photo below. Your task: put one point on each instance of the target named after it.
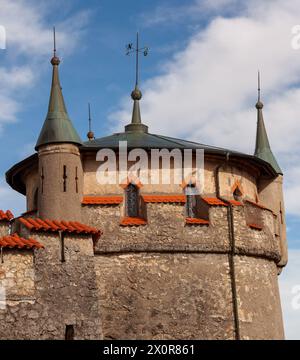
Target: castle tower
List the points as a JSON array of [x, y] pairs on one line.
[[171, 264], [270, 192], [60, 167]]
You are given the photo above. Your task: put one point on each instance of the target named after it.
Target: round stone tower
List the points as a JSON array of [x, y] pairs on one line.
[[172, 263]]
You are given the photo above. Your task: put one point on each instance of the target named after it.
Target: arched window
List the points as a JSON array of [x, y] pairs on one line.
[[237, 194], [132, 200]]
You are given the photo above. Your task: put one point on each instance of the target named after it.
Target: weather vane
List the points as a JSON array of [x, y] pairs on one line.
[[131, 49]]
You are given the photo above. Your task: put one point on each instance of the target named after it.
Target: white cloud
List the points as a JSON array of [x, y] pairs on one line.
[[208, 91], [28, 41], [166, 15], [290, 278]]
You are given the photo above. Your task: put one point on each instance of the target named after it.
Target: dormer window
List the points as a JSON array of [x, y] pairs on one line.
[[237, 191], [191, 201], [132, 200]]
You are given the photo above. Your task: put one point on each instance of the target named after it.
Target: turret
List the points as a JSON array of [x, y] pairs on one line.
[[270, 191], [60, 167]]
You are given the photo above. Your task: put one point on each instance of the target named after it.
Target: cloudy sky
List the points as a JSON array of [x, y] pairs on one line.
[[199, 82]]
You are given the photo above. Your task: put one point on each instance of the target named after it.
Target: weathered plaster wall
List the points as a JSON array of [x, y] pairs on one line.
[[55, 202], [258, 298], [31, 179], [165, 296]]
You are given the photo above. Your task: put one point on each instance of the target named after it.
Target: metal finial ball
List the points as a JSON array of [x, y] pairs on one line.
[[259, 105], [136, 94], [90, 135], [55, 60]]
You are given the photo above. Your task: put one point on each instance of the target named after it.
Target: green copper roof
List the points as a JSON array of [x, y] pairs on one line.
[[150, 141], [57, 127], [262, 147]]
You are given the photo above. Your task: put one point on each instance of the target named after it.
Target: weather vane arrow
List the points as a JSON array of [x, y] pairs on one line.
[[137, 50]]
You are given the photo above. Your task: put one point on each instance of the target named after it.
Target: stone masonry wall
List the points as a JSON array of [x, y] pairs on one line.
[[65, 294], [166, 230], [17, 275]]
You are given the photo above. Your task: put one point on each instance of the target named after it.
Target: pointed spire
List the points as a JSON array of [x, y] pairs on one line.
[[90, 134], [136, 95], [262, 146], [57, 127]]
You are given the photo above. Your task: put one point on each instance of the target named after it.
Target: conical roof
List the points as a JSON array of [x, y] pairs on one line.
[[262, 146], [57, 127]]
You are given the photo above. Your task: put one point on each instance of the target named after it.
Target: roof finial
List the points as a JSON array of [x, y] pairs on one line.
[[55, 60], [259, 104], [136, 95], [90, 134]]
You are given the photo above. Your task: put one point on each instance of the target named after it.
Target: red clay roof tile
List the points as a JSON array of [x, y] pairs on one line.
[[55, 225], [15, 241], [97, 200], [235, 203], [132, 221], [195, 221], [164, 198], [6, 215], [255, 226], [214, 201]]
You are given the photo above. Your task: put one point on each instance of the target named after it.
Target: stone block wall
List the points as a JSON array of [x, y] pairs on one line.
[[65, 293], [17, 275]]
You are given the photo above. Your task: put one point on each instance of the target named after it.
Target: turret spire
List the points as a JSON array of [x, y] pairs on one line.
[[90, 134], [57, 127], [136, 95], [262, 146]]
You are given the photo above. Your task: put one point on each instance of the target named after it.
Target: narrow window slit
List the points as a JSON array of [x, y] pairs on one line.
[[76, 179], [62, 246], [42, 178], [65, 178]]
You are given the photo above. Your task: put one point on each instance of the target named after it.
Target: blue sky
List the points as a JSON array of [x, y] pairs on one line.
[[202, 67]]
